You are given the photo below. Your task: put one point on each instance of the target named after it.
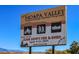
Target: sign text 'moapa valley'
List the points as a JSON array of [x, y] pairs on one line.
[[43, 15]]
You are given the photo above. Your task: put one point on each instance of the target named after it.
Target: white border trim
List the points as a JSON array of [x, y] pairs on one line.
[[39, 2]]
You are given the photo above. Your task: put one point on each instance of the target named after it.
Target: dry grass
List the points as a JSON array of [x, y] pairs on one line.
[[21, 53]]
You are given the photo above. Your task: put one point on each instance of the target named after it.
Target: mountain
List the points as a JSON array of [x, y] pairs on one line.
[[6, 50], [3, 50], [15, 51]]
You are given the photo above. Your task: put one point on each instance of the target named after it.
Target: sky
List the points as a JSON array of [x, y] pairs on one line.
[[10, 23]]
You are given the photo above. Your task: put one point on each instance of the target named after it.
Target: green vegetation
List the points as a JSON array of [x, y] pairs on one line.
[[74, 49]]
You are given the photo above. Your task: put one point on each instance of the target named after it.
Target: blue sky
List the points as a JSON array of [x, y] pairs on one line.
[[10, 21]]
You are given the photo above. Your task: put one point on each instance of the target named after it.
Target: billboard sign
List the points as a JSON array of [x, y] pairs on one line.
[[43, 28]]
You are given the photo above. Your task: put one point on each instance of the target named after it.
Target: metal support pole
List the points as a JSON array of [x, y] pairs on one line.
[[53, 49], [30, 50]]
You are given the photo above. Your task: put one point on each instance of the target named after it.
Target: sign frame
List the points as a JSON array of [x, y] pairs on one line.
[[53, 22]]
